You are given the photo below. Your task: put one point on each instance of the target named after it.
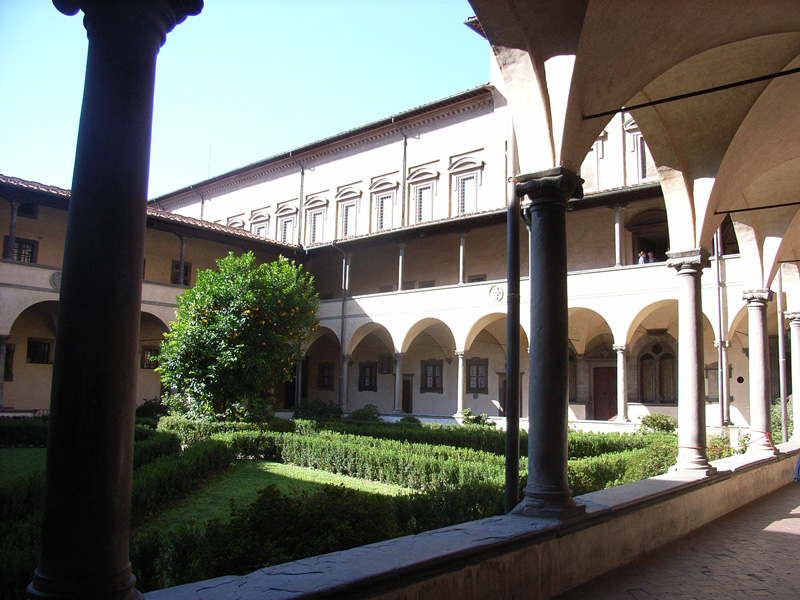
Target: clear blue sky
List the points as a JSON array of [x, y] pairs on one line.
[[246, 79]]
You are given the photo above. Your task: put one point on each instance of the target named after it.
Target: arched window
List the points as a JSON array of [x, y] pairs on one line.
[[658, 375]]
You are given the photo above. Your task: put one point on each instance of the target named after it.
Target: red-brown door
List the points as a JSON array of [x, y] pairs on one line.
[[605, 393]]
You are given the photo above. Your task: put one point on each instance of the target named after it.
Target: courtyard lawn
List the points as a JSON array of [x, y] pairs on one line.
[[242, 482], [21, 462]]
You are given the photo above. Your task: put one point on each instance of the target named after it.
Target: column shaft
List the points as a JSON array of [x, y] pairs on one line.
[[794, 351], [618, 235], [461, 258], [3, 342], [461, 381], [692, 454], [759, 370], [547, 492], [400, 258], [398, 382], [622, 384], [346, 358]]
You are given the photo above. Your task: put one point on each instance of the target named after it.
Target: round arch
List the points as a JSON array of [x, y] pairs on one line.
[[372, 328], [585, 324]]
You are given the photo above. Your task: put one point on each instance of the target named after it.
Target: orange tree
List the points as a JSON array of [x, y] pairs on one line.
[[237, 334]]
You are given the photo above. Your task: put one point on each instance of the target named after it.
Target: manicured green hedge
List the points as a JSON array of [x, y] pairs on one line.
[[23, 432], [161, 443], [191, 431]]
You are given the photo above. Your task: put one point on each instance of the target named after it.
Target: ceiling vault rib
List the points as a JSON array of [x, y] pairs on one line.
[[738, 210], [710, 90]]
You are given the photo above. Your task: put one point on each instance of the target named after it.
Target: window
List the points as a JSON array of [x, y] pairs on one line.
[[423, 203], [658, 377], [285, 229], [367, 377], [383, 211], [8, 374], [429, 283], [325, 377], [467, 193], [431, 377], [347, 212], [29, 210], [149, 357], [39, 351], [260, 228], [315, 224], [382, 289], [477, 369], [26, 251], [477, 278], [236, 221], [175, 278], [386, 362]]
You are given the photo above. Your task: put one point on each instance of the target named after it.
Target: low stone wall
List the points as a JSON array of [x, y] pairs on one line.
[[512, 556]]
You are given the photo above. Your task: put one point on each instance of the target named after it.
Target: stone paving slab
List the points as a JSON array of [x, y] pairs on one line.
[[753, 552]]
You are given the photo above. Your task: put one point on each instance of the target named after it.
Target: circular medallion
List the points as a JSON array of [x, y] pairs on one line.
[[55, 280], [496, 293]]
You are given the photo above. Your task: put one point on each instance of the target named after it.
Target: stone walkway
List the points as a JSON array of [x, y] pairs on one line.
[[753, 552]]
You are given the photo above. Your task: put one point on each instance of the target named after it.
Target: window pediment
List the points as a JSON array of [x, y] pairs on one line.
[[236, 221], [286, 209], [259, 215]]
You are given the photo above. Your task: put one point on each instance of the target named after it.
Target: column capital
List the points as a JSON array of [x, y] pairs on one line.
[[460, 353], [757, 296], [158, 16], [793, 317], [620, 348], [397, 355], [618, 207], [723, 343], [4, 338], [558, 184], [694, 259]]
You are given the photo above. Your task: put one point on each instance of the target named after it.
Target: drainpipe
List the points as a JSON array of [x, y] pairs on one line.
[[512, 328], [299, 201], [722, 346], [202, 207], [342, 360], [782, 355], [12, 231], [405, 160]]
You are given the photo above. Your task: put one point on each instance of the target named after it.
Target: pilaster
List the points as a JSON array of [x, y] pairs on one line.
[[398, 382]]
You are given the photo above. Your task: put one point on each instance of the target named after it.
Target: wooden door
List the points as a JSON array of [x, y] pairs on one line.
[[408, 383], [605, 393]]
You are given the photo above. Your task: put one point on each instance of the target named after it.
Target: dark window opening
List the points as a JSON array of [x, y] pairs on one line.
[[39, 351], [26, 251], [325, 377], [8, 374], [431, 377], [477, 380], [368, 377], [149, 357], [187, 272], [386, 364]]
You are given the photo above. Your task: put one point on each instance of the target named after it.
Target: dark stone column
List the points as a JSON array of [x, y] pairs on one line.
[[3, 343], [85, 526], [692, 453], [547, 493]]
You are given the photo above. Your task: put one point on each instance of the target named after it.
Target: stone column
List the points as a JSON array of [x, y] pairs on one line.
[[461, 381], [723, 388], [398, 382], [12, 231], [462, 245], [3, 342], [346, 358], [692, 455], [400, 257], [86, 515], [181, 259], [547, 492], [618, 234], [758, 355], [622, 384], [794, 351]]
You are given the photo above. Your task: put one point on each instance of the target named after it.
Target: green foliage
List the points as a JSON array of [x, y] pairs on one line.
[[654, 460], [318, 410], [369, 412], [192, 431], [237, 334], [776, 420], [161, 443], [23, 432], [482, 419], [154, 408], [598, 472], [410, 420], [719, 446], [655, 422]]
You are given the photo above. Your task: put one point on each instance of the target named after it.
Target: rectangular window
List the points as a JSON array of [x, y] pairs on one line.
[[427, 283], [29, 210], [431, 377], [285, 229], [348, 215], [259, 229], [382, 289], [386, 362], [467, 193], [383, 209], [26, 251], [477, 380], [315, 227], [149, 357], [39, 351], [367, 377], [325, 377], [477, 278], [8, 374], [175, 278], [423, 203]]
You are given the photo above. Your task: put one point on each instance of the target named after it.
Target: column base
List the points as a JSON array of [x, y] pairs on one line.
[[688, 466], [549, 506], [761, 450], [47, 588]]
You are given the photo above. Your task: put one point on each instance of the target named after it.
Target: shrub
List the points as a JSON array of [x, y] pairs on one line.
[[369, 412], [154, 408], [655, 422], [319, 410], [23, 432], [482, 419], [654, 460], [719, 446], [410, 420], [160, 444], [776, 420]]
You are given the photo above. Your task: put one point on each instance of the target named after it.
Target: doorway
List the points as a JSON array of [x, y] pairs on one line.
[[408, 386], [605, 393]]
